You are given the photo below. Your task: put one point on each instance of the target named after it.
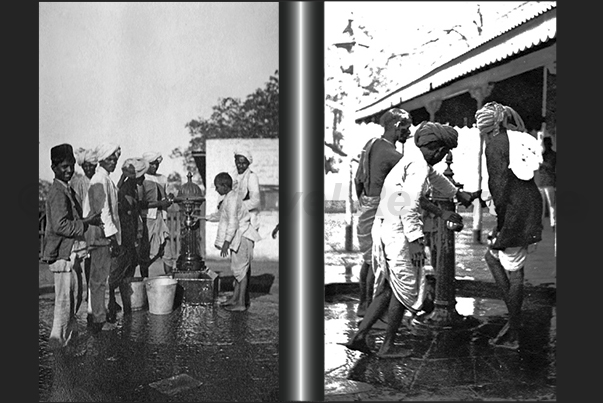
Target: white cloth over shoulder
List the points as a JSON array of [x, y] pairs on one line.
[[247, 185], [525, 154]]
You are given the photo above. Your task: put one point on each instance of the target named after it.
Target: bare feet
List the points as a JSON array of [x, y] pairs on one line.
[[506, 338], [358, 345], [235, 308], [361, 309], [227, 303], [398, 353]]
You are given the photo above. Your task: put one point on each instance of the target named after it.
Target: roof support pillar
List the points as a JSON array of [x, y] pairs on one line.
[[479, 93], [432, 107]]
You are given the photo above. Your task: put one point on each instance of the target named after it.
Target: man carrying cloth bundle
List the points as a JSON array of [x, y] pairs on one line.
[[512, 156]]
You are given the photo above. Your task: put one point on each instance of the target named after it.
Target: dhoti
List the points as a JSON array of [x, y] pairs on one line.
[[391, 261]]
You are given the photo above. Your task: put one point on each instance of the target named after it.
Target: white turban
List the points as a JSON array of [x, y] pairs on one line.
[[135, 167], [82, 155], [152, 156], [244, 153], [105, 150]]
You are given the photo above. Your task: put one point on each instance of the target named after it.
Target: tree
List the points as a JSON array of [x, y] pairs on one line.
[[381, 65], [255, 117], [174, 183], [44, 187]]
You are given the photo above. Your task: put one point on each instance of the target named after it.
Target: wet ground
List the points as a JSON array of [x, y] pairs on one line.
[[196, 353], [452, 364], [446, 364]]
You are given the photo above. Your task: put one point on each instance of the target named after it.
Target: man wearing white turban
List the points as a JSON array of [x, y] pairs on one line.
[[87, 160], [123, 265], [80, 184], [154, 201], [105, 241], [512, 156], [247, 185]]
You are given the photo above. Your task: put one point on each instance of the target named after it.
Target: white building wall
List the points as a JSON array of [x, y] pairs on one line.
[[220, 158]]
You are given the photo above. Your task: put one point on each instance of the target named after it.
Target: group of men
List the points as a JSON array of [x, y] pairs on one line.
[[392, 189], [110, 228]]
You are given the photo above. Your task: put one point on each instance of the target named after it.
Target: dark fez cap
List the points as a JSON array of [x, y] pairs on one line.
[[61, 153]]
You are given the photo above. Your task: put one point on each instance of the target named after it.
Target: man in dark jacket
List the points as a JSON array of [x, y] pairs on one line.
[[511, 163], [65, 245]]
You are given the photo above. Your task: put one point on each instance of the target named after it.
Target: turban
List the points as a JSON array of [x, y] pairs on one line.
[[135, 167], [152, 156], [428, 132], [393, 116], [493, 115], [82, 155], [61, 153], [244, 153], [105, 150]]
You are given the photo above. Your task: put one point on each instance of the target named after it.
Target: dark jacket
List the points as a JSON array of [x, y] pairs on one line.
[[63, 222], [517, 202]]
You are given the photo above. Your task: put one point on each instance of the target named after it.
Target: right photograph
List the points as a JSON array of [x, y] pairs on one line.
[[440, 219]]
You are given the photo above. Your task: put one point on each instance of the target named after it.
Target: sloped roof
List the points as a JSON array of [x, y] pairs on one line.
[[525, 27]]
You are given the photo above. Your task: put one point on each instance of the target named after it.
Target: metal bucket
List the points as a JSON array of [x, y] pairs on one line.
[[160, 294], [135, 295]]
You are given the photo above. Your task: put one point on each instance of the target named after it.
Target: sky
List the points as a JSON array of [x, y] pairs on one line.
[[134, 74], [404, 26]]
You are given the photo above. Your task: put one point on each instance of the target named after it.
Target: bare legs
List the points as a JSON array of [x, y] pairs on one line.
[[383, 301], [510, 284], [395, 315], [237, 302], [365, 282]]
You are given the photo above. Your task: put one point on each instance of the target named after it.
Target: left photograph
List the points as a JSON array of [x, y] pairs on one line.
[[158, 202]]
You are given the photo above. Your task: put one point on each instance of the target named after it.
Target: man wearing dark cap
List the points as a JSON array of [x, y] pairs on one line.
[[398, 252], [65, 245], [378, 157]]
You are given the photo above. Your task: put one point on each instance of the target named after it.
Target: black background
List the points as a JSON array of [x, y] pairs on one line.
[[578, 197]]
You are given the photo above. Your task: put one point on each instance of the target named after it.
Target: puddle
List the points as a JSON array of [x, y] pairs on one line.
[[153, 357], [457, 355]]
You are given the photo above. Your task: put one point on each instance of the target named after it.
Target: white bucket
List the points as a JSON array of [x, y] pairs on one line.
[[161, 293], [137, 293]]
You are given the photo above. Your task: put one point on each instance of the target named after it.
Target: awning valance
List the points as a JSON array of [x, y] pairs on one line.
[[531, 33]]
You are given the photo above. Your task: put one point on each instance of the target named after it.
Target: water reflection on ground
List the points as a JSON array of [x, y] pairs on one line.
[[453, 358], [234, 356]]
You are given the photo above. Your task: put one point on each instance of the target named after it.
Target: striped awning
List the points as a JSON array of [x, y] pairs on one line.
[[524, 34]]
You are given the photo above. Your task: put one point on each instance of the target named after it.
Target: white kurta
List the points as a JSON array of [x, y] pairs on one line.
[[398, 222], [102, 196]]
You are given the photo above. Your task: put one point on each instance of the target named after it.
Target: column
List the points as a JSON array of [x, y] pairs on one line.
[[479, 93]]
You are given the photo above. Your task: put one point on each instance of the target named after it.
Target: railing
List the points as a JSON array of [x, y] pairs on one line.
[[174, 223]]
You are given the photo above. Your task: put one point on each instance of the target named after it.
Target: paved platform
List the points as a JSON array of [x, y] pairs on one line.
[[448, 364], [196, 353]]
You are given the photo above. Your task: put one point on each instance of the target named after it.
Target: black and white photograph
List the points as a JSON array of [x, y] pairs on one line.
[[159, 231], [158, 202], [440, 212]]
